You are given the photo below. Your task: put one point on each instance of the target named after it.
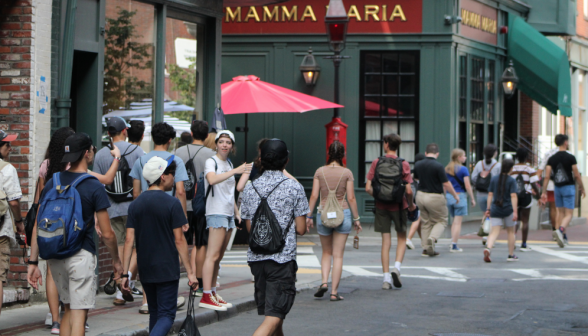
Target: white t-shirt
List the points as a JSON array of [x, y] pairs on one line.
[[11, 186], [223, 202]]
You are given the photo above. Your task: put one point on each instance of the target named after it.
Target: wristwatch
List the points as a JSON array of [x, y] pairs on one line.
[[117, 158], [19, 221], [126, 275], [31, 262]]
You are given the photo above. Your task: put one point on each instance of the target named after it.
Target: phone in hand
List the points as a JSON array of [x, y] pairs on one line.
[[111, 143]]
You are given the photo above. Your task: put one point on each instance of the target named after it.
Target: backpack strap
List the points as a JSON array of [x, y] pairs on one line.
[[80, 179], [492, 166], [125, 153], [327, 184], [277, 185]]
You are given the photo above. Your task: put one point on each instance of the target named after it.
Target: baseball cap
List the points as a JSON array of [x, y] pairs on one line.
[[75, 145], [117, 124], [274, 149], [6, 137], [227, 132], [155, 167]]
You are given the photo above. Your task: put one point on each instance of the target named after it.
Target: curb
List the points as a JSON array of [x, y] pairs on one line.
[[203, 317]]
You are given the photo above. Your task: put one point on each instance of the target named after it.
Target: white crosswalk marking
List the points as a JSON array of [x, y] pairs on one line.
[[305, 257], [446, 271], [560, 254]]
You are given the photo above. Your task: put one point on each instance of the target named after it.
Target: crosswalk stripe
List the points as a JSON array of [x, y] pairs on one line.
[[560, 254], [447, 272]]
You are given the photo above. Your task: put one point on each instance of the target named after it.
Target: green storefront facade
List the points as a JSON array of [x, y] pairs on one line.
[[430, 73]]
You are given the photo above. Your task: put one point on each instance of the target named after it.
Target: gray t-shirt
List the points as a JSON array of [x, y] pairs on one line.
[[102, 164], [199, 154]]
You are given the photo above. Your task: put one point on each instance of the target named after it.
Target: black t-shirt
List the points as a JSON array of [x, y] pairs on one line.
[[254, 173], [431, 176], [93, 197], [561, 165], [154, 215]]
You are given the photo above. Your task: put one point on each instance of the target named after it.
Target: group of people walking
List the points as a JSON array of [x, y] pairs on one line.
[[148, 207]]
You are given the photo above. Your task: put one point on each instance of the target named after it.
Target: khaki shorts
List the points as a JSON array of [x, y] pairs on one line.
[[119, 226], [385, 218], [4, 258], [75, 279]]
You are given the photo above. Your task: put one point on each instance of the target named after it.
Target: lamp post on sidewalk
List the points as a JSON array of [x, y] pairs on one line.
[[336, 23]]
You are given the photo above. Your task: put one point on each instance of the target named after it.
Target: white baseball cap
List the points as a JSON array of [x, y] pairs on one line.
[[155, 167], [227, 132]]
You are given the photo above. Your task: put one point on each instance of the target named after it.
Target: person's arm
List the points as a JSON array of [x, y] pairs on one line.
[[136, 188], [182, 247], [514, 199], [248, 225], [449, 188], [314, 195], [352, 201], [40, 188], [181, 195], [368, 188], [476, 172], [489, 204], [15, 207], [300, 225], [109, 240], [108, 177], [468, 185], [578, 178], [214, 178], [243, 181], [409, 197], [545, 183], [34, 276], [128, 252], [288, 175], [237, 213]]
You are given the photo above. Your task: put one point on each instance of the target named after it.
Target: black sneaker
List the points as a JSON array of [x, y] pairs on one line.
[[512, 258], [110, 288], [136, 291]]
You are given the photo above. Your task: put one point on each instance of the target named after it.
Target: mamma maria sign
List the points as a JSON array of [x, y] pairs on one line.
[[307, 17]]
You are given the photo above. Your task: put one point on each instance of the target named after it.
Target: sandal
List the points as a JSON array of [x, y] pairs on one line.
[[321, 290], [336, 297]]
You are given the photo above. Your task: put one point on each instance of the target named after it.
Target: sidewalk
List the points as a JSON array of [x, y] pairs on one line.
[[107, 319]]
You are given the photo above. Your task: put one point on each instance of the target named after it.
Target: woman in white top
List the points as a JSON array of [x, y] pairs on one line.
[[221, 212]]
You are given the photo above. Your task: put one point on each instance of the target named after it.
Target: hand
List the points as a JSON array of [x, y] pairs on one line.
[[124, 285], [239, 221], [309, 224], [193, 281], [515, 216], [115, 152], [544, 198], [118, 269], [34, 276], [243, 169], [98, 231], [583, 193], [456, 196], [473, 202], [412, 207], [358, 228], [487, 214], [20, 228], [185, 227], [533, 192]]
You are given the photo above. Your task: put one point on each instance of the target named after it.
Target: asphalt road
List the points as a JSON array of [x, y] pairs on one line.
[[453, 294]]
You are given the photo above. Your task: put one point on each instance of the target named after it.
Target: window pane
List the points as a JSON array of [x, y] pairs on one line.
[[372, 130], [407, 85], [390, 85], [407, 151], [407, 107], [373, 63], [390, 127], [391, 107], [390, 63], [407, 63], [407, 131], [491, 89], [372, 106], [373, 84], [372, 151], [463, 87]]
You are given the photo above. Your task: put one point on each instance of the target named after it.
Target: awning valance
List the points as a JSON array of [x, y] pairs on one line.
[[542, 67]]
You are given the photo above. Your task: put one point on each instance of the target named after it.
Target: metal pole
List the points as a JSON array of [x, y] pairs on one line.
[[63, 102], [159, 65], [336, 63], [246, 133]]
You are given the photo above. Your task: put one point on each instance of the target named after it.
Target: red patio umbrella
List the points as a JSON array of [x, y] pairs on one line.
[[248, 94]]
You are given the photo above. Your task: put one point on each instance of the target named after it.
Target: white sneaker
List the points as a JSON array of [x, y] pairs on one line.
[[409, 244], [181, 301], [558, 238], [525, 249], [49, 320]]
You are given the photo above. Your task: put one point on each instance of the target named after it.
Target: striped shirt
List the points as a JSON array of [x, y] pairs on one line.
[[528, 173]]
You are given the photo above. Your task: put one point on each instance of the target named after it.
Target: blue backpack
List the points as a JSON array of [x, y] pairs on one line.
[[60, 225], [200, 197]]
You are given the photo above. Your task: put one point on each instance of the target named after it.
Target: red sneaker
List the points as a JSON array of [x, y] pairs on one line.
[[487, 255], [209, 301], [222, 302]]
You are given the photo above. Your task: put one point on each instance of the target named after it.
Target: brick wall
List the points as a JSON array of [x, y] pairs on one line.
[[530, 112]]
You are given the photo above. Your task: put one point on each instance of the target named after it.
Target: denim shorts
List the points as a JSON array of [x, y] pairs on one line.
[[220, 221], [565, 197], [344, 228], [457, 209]]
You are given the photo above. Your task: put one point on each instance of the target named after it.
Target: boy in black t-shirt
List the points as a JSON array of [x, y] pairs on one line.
[[564, 167]]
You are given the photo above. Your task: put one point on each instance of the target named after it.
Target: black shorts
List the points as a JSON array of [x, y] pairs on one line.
[[197, 234], [275, 287]]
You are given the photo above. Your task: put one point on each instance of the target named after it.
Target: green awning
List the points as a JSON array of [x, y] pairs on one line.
[[542, 67]]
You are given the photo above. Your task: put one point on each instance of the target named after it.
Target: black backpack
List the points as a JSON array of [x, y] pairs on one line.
[[524, 198], [266, 236], [388, 185], [484, 178], [122, 185], [190, 183]]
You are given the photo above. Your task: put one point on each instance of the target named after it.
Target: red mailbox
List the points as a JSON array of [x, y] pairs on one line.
[[337, 130]]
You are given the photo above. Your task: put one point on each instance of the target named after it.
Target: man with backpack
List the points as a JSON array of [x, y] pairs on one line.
[[274, 209], [431, 198], [564, 168], [11, 222], [120, 192], [162, 135], [527, 179], [195, 156], [67, 207], [389, 182]]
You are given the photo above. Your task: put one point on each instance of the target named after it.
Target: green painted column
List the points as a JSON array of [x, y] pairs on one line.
[[63, 100], [161, 16]]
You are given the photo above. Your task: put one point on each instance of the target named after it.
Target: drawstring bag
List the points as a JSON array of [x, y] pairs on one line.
[[332, 213], [189, 327]]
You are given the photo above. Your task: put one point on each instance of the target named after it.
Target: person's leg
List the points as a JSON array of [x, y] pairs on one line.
[[338, 248], [167, 294], [456, 229], [524, 215], [511, 239], [386, 244], [496, 225], [401, 246], [77, 322], [327, 246], [221, 254], [52, 296], [150, 291], [200, 258], [269, 327], [422, 202], [566, 218], [65, 328], [213, 252], [553, 215], [438, 216], [414, 227]]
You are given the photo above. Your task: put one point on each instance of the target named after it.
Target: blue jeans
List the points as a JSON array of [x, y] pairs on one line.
[[162, 299], [344, 228], [565, 197], [457, 209]]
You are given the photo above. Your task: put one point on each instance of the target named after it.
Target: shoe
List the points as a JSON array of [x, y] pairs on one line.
[[198, 292], [320, 292], [87, 326], [512, 258], [55, 328], [181, 301], [222, 302], [49, 320], [525, 249], [396, 277], [565, 238], [487, 255], [144, 309], [118, 302], [557, 235], [426, 254], [455, 249], [386, 285], [431, 248], [484, 240], [209, 301], [110, 286], [136, 291], [409, 244]]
